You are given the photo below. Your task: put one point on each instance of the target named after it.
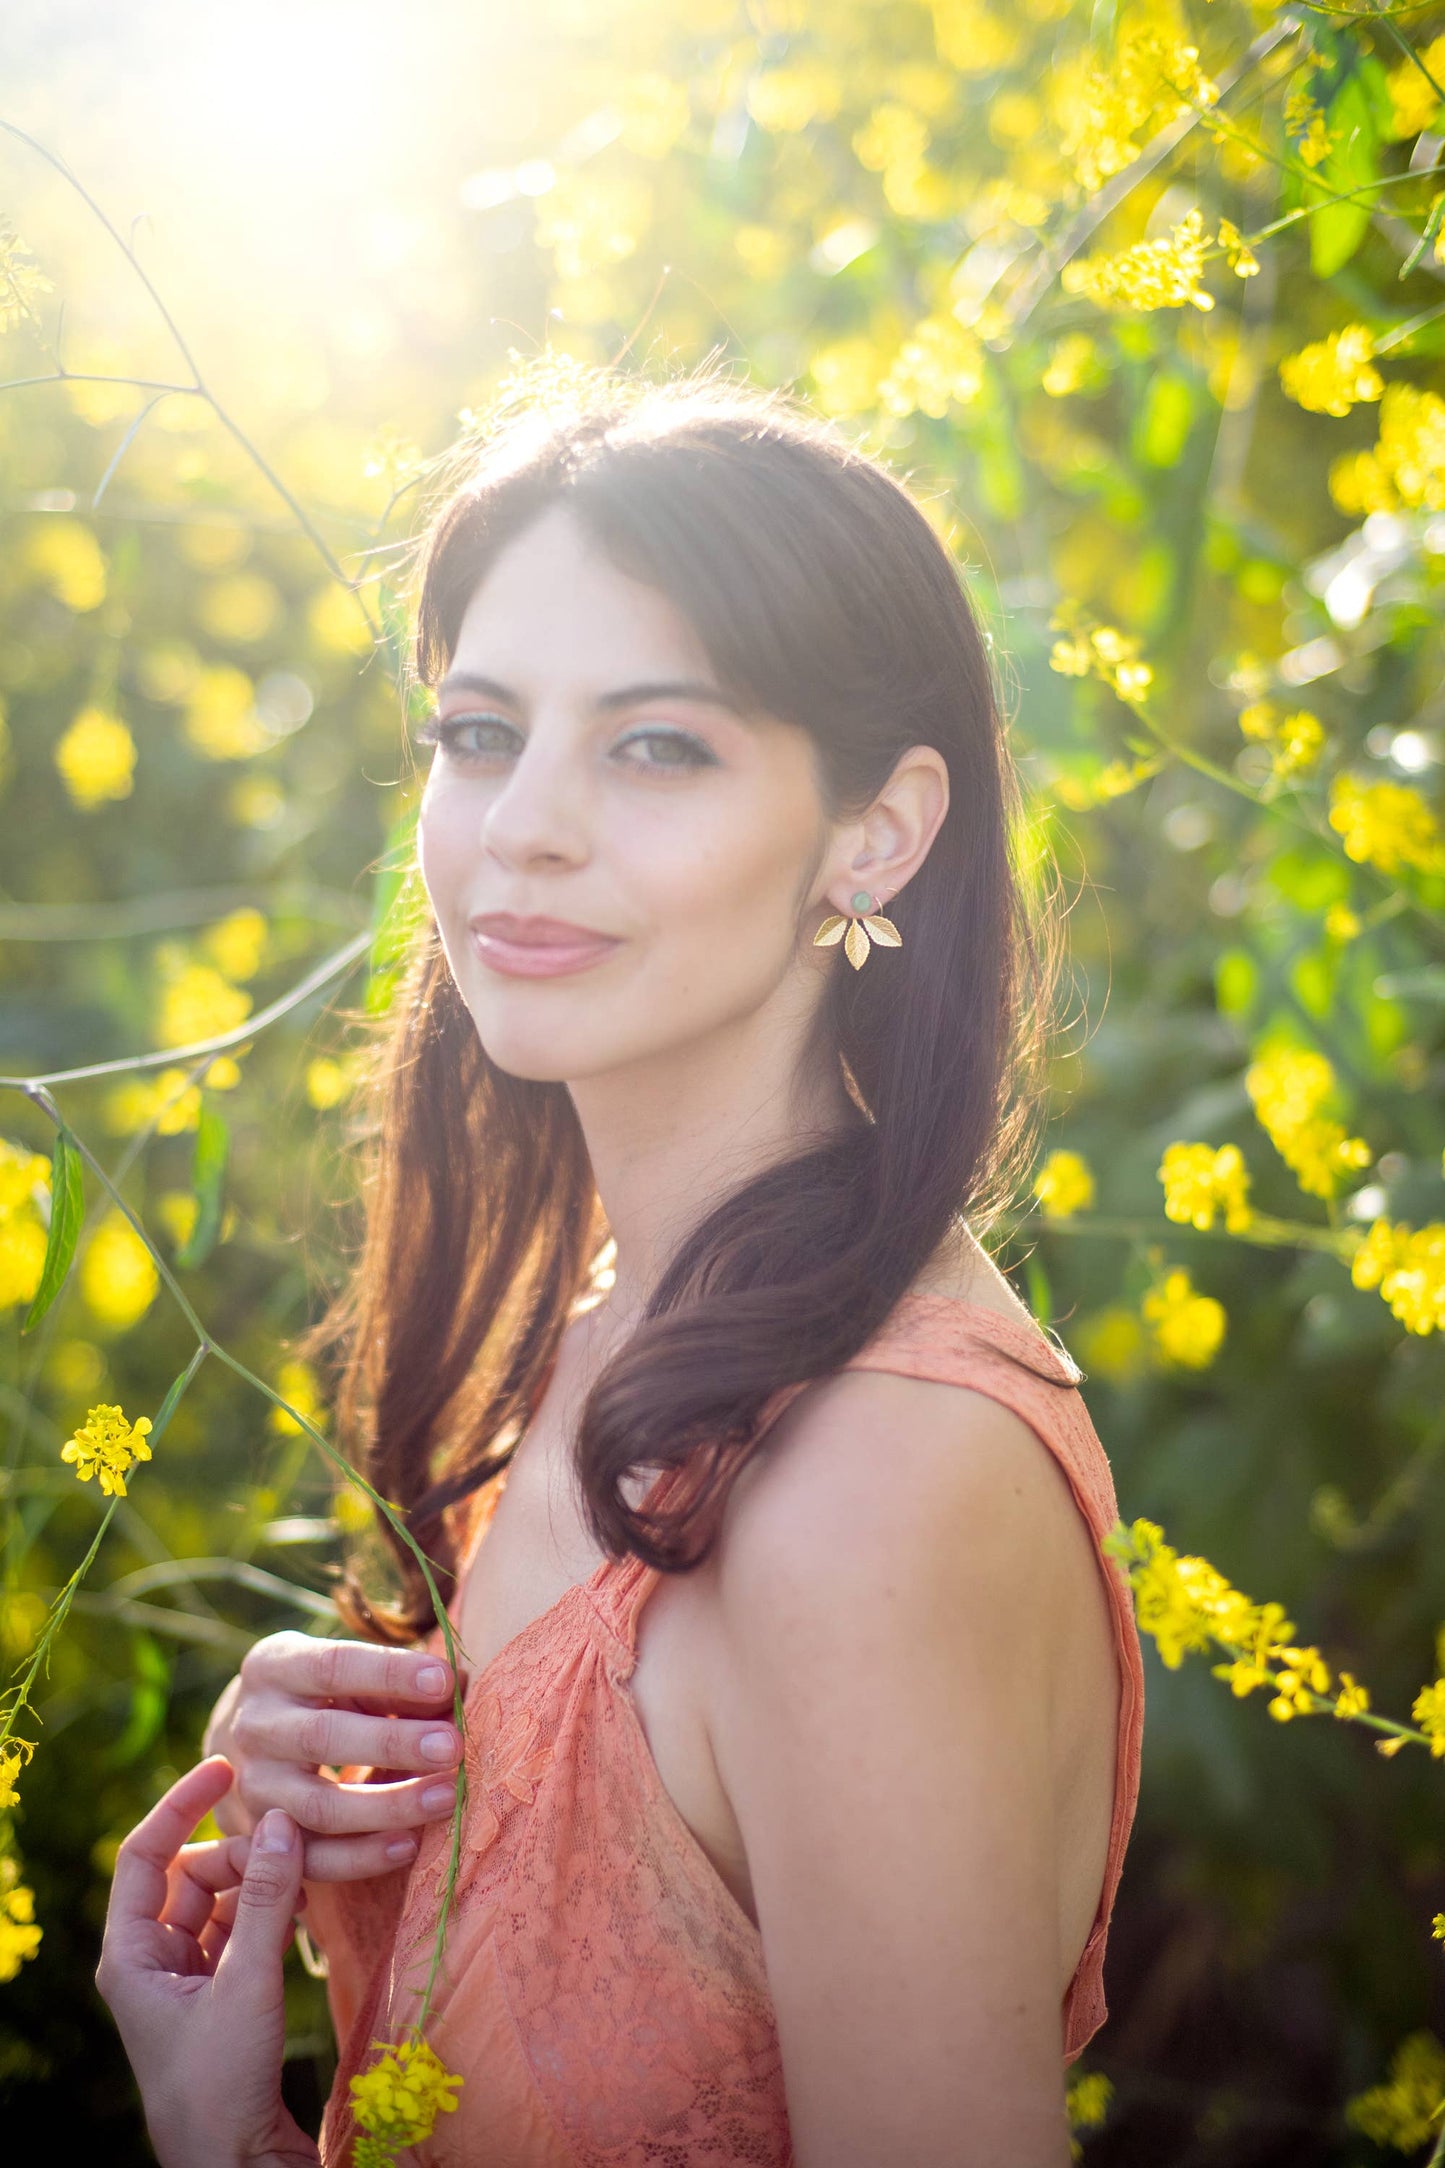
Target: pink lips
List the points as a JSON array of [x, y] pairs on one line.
[[537, 948]]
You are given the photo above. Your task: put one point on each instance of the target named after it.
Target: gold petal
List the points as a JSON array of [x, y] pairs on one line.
[[884, 930], [831, 930], [855, 946]]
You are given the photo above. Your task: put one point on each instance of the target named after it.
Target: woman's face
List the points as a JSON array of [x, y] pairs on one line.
[[590, 770]]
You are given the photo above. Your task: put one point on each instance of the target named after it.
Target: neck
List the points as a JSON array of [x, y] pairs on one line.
[[670, 1139]]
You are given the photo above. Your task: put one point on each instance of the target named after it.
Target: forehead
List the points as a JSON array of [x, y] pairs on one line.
[[552, 603]]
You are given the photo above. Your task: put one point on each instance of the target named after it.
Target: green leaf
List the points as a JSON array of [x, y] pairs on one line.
[[1162, 429], [1337, 229], [208, 1167], [150, 1696], [67, 1213]]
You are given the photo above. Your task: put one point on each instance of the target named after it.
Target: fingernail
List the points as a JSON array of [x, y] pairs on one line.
[[436, 1797], [431, 1679], [275, 1832], [440, 1746], [401, 1848]]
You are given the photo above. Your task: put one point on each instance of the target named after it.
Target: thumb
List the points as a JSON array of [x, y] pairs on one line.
[[269, 1897]]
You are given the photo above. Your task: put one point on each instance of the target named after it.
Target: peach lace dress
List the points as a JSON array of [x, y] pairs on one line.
[[604, 1996]]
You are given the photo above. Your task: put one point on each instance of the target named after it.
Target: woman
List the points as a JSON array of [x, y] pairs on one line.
[[803, 1707]]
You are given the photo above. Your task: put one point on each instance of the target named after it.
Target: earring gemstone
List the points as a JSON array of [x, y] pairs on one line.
[[860, 900]]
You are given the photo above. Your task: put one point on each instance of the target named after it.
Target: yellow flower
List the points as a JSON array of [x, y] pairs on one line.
[[1110, 112], [1353, 1698], [197, 1003], [1428, 1710], [1111, 1342], [1408, 1267], [1306, 125], [1405, 2111], [22, 1257], [236, 944], [19, 1936], [1437, 1926], [785, 100], [1199, 1181], [24, 1178], [108, 1446], [1341, 923], [118, 1277], [166, 1099], [13, 1757], [296, 1382], [1288, 1086], [1295, 741], [1415, 100], [1388, 825], [396, 2102], [67, 559], [242, 608], [221, 720], [1100, 651], [1406, 466], [1071, 362], [96, 758], [1161, 274], [939, 365], [1086, 2103], [1064, 1184], [1333, 374], [1188, 1327], [1239, 255]]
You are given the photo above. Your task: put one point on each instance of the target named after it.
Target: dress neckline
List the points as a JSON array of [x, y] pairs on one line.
[[1023, 1328]]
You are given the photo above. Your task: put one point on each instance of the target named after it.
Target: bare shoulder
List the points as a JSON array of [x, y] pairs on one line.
[[883, 1492]]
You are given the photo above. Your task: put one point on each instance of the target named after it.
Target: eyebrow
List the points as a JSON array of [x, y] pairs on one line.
[[621, 696]]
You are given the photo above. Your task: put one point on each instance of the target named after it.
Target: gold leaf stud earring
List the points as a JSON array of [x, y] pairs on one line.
[[855, 942]]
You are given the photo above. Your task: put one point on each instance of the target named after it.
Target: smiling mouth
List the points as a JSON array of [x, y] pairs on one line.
[[537, 949]]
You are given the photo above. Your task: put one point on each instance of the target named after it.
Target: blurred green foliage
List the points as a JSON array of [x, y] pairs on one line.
[[1047, 259]]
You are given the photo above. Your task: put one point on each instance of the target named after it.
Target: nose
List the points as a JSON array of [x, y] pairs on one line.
[[539, 815]]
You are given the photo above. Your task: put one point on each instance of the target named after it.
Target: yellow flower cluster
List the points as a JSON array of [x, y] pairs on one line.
[[1413, 96], [1288, 1087], [1388, 825], [1405, 2112], [939, 365], [1408, 1267], [1162, 274], [1064, 1184], [1295, 741], [1100, 651], [165, 1099], [19, 1935], [96, 758], [13, 1756], [106, 1445], [1153, 77], [24, 1180], [397, 2101], [1188, 1327], [1306, 126], [1086, 2103], [1406, 468], [1114, 780], [65, 557], [1187, 1604], [196, 1001], [1333, 374], [1200, 1181]]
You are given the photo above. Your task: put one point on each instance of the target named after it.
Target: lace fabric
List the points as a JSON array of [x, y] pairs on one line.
[[603, 1994]]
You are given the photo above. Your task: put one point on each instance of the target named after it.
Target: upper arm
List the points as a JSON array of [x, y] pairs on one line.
[[882, 1726]]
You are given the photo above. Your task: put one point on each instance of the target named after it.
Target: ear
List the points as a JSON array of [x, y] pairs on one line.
[[882, 848]]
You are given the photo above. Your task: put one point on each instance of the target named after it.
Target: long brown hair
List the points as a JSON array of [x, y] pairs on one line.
[[823, 596]]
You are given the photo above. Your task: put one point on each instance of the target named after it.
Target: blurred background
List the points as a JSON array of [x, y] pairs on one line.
[[1146, 302]]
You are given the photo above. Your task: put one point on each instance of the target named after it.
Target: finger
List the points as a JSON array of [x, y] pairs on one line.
[[298, 1732], [311, 1669], [249, 1966], [326, 1807], [360, 1859], [199, 1874], [140, 1884]]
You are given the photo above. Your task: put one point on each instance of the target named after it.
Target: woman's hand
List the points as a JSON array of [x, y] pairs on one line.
[[302, 1707], [191, 1969]]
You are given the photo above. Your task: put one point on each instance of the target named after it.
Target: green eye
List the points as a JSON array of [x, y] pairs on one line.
[[681, 748]]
